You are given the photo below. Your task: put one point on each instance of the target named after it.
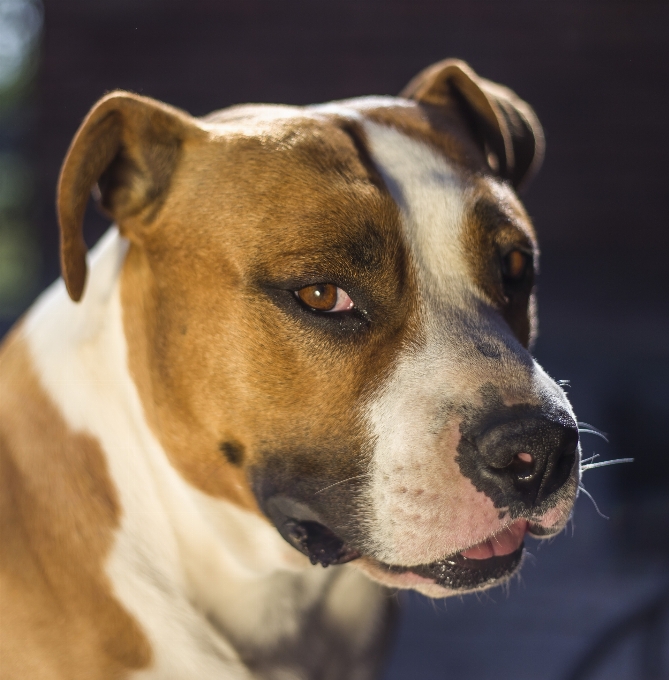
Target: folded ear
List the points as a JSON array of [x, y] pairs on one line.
[[129, 146], [505, 126]]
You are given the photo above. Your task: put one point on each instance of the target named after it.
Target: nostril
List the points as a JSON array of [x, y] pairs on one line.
[[521, 455], [562, 463], [522, 467]]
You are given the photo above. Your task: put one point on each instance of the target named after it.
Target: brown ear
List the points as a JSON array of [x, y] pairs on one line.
[[129, 146], [505, 126]]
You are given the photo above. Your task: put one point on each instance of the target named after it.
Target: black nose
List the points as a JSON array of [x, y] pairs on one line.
[[529, 456]]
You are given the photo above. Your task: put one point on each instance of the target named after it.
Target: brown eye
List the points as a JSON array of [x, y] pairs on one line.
[[322, 296], [514, 265], [325, 297]]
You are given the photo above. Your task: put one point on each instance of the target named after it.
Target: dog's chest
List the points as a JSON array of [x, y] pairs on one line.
[[275, 629]]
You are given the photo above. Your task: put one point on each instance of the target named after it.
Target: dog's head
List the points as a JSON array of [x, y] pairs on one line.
[[328, 313]]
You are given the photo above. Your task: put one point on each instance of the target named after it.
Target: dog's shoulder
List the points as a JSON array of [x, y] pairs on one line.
[[58, 510]]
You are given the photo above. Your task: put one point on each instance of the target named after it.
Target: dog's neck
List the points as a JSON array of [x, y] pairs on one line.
[[215, 567]]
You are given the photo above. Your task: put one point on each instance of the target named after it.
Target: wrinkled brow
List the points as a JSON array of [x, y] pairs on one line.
[[357, 136], [491, 215]]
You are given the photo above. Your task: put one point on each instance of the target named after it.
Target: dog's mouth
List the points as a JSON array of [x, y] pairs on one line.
[[320, 544], [484, 564]]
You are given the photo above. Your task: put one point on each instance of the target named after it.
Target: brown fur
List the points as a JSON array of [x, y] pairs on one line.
[[501, 226], [505, 126], [213, 357], [58, 511]]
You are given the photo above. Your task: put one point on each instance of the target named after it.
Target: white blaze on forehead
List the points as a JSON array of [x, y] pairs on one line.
[[422, 507], [432, 198]]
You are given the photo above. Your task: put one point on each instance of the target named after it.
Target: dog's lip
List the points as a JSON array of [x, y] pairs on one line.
[[482, 564], [499, 544], [502, 543], [538, 530]]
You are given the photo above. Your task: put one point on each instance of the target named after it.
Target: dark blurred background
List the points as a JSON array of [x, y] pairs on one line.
[[594, 603]]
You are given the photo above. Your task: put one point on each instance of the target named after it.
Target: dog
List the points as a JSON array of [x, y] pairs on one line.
[[304, 343]]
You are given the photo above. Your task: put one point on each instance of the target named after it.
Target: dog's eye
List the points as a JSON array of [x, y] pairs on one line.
[[514, 266], [325, 297]]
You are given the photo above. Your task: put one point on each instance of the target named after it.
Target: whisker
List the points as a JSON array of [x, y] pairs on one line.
[[582, 423], [591, 429], [342, 481], [595, 432], [587, 460], [589, 495], [605, 463], [564, 383]]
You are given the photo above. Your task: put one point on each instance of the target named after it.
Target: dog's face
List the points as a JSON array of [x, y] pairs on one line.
[[328, 312]]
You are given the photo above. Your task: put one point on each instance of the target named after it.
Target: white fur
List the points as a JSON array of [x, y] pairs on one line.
[[201, 576], [432, 199], [423, 508]]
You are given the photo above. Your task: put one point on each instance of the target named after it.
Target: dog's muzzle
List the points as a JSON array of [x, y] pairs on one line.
[[304, 529]]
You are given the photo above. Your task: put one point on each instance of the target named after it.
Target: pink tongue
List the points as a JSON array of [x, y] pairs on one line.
[[503, 543]]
